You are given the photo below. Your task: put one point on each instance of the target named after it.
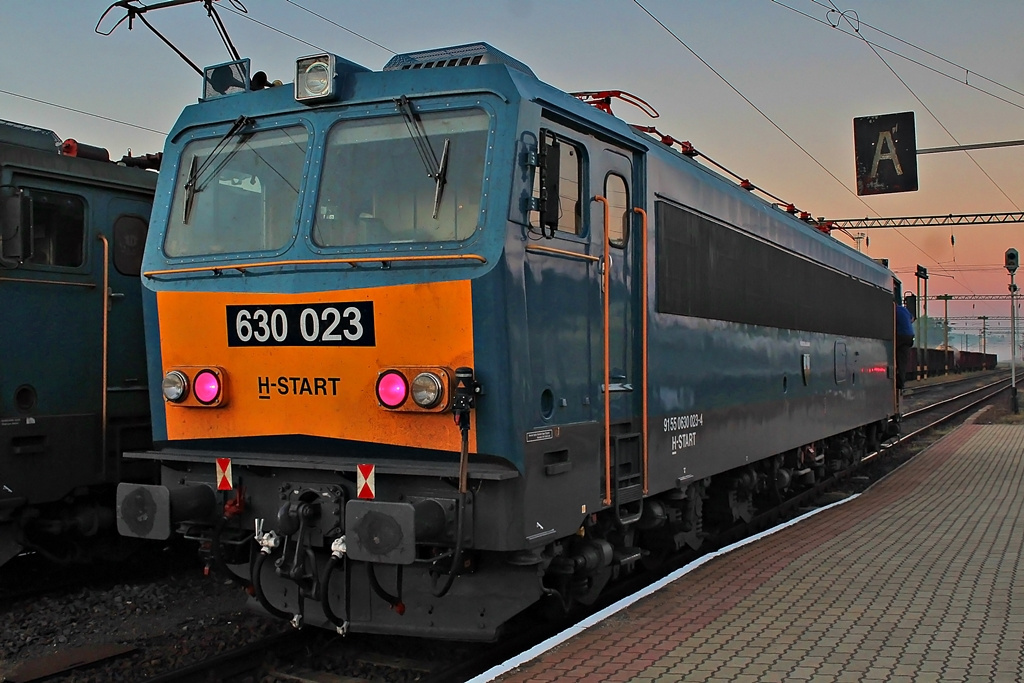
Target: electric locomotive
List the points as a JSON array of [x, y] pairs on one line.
[[441, 342], [72, 356]]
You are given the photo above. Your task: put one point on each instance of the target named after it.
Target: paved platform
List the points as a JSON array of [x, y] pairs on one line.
[[918, 579]]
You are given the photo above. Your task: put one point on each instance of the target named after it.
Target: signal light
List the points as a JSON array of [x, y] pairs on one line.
[[207, 387], [195, 386], [392, 389], [429, 387]]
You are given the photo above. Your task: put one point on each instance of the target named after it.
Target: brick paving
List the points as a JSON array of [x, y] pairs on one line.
[[915, 580]]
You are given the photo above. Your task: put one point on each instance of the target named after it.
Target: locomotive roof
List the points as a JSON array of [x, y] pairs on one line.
[[24, 135], [515, 82]]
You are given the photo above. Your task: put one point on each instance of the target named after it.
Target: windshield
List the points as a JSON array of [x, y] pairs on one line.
[[238, 194], [375, 189]]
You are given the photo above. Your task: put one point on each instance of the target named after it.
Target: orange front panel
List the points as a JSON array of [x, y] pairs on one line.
[[317, 389]]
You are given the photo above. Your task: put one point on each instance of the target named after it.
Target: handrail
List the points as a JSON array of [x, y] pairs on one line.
[[47, 282], [242, 267], [605, 314], [105, 299], [561, 252], [643, 339]]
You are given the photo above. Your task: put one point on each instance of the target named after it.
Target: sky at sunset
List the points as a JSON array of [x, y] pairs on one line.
[[767, 88]]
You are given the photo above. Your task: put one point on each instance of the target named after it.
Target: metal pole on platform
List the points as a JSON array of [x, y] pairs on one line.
[[919, 323], [945, 331], [925, 324], [1012, 261]]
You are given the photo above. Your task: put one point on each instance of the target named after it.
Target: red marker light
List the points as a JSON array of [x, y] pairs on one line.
[[206, 387], [392, 389]]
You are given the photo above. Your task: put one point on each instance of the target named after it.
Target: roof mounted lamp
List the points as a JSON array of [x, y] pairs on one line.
[[314, 78]]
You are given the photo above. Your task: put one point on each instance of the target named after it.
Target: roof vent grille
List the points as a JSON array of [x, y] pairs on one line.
[[459, 55]]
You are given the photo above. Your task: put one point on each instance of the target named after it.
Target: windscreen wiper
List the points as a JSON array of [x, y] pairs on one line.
[[196, 171], [437, 170], [441, 177]]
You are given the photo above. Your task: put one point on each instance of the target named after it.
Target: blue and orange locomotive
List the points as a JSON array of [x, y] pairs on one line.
[[441, 341]]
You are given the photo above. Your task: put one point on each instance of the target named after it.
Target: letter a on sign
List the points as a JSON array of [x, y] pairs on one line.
[[224, 474], [365, 484], [885, 148]]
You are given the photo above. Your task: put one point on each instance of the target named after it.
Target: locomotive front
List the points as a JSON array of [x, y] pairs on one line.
[[313, 280]]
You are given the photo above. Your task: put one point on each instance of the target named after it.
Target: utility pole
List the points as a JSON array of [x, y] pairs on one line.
[[944, 298], [1012, 261], [984, 338], [921, 339]]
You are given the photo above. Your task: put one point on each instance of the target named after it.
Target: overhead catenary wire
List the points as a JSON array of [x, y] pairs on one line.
[[275, 29], [967, 72], [343, 28], [772, 122], [926, 107], [233, 8], [306, 42], [83, 112], [750, 102]]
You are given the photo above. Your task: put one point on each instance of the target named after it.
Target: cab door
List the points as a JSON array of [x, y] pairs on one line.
[[618, 226], [560, 273], [124, 226]]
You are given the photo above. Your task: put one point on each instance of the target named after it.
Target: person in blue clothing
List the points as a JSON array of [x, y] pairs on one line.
[[904, 341]]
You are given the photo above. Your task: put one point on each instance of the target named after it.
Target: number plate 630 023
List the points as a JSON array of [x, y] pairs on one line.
[[327, 324]]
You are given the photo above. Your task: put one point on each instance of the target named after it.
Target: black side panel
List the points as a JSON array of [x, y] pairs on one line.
[[709, 270]]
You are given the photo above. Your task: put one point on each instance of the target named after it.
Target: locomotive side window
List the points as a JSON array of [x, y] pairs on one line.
[[618, 208], [58, 234], [570, 189], [374, 188], [239, 194], [707, 269]]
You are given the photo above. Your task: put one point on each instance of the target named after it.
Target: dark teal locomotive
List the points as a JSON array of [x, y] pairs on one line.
[[440, 342], [72, 355]]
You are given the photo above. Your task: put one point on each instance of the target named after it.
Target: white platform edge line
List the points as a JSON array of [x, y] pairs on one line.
[[598, 617]]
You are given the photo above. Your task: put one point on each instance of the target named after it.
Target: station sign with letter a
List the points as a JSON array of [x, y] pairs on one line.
[[885, 148]]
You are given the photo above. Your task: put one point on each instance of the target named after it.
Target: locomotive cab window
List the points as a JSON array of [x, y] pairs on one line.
[[58, 229], [129, 243], [569, 187], [237, 194], [619, 211], [374, 188]]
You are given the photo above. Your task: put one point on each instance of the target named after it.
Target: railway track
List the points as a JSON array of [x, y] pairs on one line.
[[313, 655], [945, 402]]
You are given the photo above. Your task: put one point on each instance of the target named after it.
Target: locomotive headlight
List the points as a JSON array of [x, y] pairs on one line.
[[392, 389], [427, 390], [175, 386], [207, 387], [314, 77]]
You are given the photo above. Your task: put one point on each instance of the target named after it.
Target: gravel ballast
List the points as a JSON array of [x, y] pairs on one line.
[[172, 622]]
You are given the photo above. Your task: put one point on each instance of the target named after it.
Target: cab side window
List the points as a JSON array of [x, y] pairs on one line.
[[570, 187], [129, 242], [58, 235], [570, 191], [619, 211]]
